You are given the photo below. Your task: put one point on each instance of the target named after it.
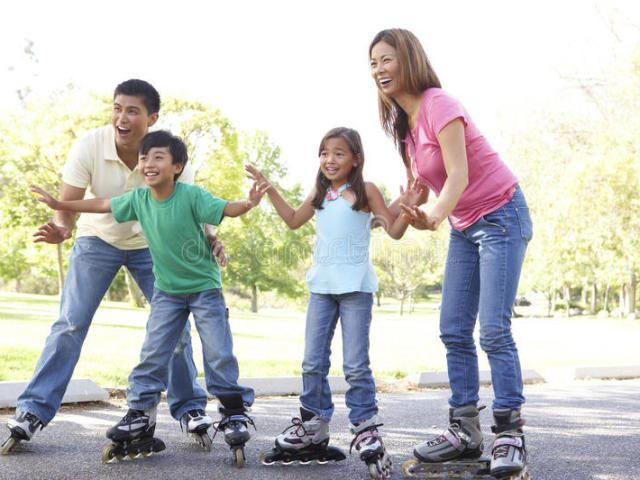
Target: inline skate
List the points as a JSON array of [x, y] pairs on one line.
[[508, 453], [22, 427], [196, 423], [304, 441], [455, 453], [133, 436], [369, 444], [234, 425]]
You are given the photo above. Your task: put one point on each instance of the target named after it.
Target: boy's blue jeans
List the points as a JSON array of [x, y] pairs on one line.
[[354, 311], [481, 281], [93, 264], [169, 314]]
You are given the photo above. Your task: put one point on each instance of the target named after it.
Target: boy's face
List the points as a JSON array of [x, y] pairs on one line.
[[130, 121], [157, 168]]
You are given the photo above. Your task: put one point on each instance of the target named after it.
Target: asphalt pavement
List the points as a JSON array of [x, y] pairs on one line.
[[578, 430]]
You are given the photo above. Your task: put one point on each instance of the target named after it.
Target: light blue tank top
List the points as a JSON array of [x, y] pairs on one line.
[[341, 261]]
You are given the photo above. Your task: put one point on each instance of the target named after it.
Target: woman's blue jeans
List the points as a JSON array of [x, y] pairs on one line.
[[481, 281], [354, 311], [93, 264]]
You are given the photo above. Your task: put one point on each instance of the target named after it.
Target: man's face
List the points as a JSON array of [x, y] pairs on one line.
[[130, 121]]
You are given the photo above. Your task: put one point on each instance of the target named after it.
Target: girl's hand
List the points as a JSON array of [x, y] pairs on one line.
[[51, 233], [257, 176], [44, 197], [418, 218], [416, 194]]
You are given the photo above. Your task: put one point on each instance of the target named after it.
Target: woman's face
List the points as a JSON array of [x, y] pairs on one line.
[[385, 69]]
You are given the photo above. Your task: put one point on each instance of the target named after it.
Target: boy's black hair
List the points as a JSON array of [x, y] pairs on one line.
[[164, 138], [140, 88]]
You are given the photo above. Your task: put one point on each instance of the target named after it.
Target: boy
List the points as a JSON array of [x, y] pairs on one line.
[[103, 164], [172, 215]]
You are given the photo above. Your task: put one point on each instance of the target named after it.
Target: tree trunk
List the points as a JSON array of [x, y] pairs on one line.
[[378, 298], [623, 298], [567, 299], [631, 294], [550, 295], [254, 298], [136, 298], [17, 285], [584, 295], [60, 268], [402, 303], [594, 298], [607, 296], [554, 300]]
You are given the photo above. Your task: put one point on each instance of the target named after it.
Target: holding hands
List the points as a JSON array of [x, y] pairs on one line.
[[415, 195]]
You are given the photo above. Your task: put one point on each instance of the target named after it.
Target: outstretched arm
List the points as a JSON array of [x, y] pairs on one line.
[[60, 228], [240, 207], [294, 218], [90, 205]]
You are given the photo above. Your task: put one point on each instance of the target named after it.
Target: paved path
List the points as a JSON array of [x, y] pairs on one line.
[[578, 430]]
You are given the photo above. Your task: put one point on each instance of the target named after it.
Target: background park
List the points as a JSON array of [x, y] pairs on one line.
[[574, 147]]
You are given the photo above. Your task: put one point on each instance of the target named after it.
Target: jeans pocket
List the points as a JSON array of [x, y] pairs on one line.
[[495, 220], [526, 226]]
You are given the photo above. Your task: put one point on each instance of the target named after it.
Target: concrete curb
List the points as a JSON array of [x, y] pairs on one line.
[[616, 372], [439, 379], [283, 385], [79, 390]]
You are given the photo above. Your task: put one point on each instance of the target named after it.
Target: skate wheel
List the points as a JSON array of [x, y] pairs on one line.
[[265, 458], [408, 466], [8, 445], [374, 471], [108, 453], [322, 461], [206, 442], [146, 453], [304, 462], [239, 457]]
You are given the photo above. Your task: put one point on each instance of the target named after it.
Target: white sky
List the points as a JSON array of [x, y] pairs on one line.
[[298, 68]]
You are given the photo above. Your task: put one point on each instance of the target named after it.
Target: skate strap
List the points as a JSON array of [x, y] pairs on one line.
[[371, 431], [508, 426], [453, 439], [508, 440]]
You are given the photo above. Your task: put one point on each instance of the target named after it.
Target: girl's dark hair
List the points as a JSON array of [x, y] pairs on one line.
[[164, 138], [416, 76], [352, 138]]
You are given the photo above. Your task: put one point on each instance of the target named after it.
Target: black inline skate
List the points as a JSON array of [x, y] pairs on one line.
[[304, 441], [369, 444], [133, 436], [455, 453], [196, 423], [508, 453], [22, 427], [234, 425]]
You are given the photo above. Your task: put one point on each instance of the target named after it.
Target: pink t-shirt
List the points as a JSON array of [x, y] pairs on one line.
[[491, 182]]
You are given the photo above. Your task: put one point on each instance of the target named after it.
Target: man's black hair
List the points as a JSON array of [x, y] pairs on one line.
[[140, 88]]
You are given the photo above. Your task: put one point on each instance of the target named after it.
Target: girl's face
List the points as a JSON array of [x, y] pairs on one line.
[[385, 69], [336, 161]]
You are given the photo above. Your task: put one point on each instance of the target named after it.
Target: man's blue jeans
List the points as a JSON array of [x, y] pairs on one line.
[[481, 281], [93, 264], [167, 319], [354, 311]]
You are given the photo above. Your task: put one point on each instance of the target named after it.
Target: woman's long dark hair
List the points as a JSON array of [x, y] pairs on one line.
[[352, 138], [416, 76]]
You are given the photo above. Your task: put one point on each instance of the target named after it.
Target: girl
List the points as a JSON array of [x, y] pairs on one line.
[[441, 147], [341, 281]]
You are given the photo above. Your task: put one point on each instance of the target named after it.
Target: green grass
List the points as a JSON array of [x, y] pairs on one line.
[[271, 342]]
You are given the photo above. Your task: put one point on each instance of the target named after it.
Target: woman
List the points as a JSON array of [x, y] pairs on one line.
[[443, 150]]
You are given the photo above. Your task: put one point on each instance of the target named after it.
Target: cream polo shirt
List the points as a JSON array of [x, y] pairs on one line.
[[93, 164]]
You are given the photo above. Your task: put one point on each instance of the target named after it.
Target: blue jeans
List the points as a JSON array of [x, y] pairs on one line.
[[169, 314], [92, 266], [354, 311], [481, 281]]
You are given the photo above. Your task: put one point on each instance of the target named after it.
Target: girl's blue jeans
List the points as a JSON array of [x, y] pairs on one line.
[[93, 264], [354, 311], [481, 281]]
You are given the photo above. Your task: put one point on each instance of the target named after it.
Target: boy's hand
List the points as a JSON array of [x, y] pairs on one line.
[[45, 197], [256, 193], [418, 218], [51, 233]]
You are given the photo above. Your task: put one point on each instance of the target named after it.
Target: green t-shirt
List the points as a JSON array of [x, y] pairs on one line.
[[174, 229]]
